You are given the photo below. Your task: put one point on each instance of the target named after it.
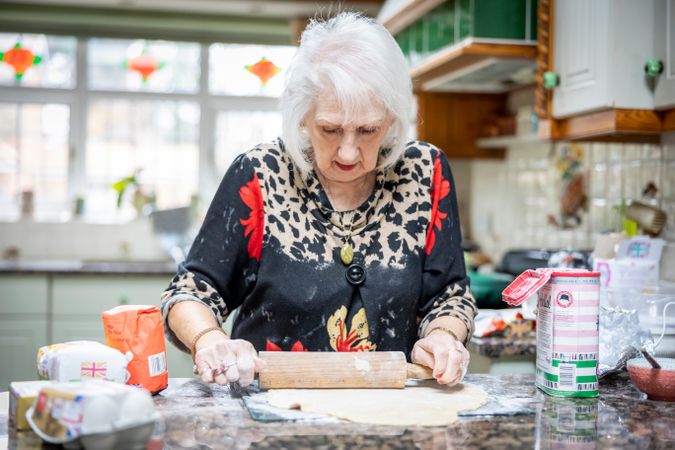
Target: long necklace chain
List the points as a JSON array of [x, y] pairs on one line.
[[346, 251]]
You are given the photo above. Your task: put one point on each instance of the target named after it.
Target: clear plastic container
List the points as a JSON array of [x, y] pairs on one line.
[[650, 305], [96, 415]]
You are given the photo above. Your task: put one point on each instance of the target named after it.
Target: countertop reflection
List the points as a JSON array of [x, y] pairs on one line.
[[518, 416]]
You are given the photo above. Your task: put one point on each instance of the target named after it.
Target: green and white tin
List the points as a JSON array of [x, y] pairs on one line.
[[567, 328]]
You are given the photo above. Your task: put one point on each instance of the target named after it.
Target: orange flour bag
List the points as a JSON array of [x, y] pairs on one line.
[[138, 329]]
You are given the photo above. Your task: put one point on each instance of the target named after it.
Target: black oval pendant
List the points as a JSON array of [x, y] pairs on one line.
[[356, 274]]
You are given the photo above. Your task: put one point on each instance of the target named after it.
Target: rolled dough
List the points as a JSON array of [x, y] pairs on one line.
[[423, 405]]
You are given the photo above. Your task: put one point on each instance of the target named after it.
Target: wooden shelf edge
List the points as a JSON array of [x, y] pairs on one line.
[[628, 125], [500, 142], [467, 53], [669, 120], [408, 14], [476, 153]]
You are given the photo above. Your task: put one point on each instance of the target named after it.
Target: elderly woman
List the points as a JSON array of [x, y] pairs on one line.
[[340, 236]]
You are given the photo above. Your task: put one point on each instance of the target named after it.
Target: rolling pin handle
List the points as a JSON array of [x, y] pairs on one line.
[[418, 371]]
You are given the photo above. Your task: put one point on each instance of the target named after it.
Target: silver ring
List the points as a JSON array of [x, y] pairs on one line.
[[226, 366]]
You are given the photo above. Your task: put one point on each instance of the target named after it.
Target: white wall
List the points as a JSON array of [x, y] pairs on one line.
[[462, 174]]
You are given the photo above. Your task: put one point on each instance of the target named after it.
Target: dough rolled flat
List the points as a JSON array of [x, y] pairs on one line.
[[413, 406]]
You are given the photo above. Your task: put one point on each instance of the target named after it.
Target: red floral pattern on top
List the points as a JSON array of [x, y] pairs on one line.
[[440, 188], [251, 195], [351, 341], [345, 339], [272, 347]]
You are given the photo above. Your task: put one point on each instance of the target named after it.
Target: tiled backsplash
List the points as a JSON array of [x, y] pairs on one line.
[[512, 199], [81, 241]]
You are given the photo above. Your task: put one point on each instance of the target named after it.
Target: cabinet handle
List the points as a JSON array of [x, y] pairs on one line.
[[653, 67], [551, 80]]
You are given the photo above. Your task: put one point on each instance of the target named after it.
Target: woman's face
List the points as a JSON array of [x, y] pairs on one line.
[[345, 152]]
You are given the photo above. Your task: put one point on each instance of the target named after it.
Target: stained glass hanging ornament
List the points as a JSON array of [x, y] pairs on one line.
[[20, 59], [145, 64], [264, 69]]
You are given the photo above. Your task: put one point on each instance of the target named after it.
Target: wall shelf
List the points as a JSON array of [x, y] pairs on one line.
[[470, 55], [500, 142]]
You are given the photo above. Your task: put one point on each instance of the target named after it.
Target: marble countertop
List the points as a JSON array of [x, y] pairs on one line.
[[92, 267], [517, 416], [496, 347]]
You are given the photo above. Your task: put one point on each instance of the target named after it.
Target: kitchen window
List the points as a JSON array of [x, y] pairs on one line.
[[94, 111], [172, 67], [158, 140], [54, 68], [226, 76], [34, 160], [237, 131]]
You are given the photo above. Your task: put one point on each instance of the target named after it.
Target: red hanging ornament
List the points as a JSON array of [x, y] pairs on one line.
[[145, 65], [20, 59], [264, 70]]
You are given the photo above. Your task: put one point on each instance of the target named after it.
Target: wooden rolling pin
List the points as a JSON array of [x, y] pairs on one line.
[[319, 370]]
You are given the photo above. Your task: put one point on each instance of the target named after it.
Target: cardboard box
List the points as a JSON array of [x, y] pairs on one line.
[[634, 265], [22, 394]]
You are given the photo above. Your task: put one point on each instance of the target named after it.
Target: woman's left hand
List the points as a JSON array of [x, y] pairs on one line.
[[444, 354]]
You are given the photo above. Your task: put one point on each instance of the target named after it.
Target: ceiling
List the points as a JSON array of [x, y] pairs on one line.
[[245, 21], [247, 8]]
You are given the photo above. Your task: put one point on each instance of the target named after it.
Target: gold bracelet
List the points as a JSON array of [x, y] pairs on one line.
[[444, 330], [193, 347]]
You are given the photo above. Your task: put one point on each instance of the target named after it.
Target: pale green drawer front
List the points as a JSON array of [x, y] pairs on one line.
[[23, 294], [77, 328], [20, 338], [93, 294]]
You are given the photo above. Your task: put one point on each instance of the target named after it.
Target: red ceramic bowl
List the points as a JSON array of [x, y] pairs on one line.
[[658, 384]]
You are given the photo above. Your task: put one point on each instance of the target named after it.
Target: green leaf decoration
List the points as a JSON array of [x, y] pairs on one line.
[[121, 186]]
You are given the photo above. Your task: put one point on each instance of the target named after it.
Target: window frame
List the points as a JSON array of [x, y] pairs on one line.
[[79, 98]]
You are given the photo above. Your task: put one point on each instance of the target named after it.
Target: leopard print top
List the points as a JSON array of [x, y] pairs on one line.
[[270, 245]]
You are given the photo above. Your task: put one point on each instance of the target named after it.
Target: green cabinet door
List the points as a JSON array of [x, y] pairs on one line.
[[20, 338], [23, 325]]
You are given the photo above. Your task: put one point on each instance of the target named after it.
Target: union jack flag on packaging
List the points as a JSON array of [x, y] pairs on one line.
[[93, 369]]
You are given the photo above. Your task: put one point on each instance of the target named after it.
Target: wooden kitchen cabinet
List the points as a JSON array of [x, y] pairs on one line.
[[599, 50], [79, 301], [464, 57], [665, 52], [452, 122], [23, 325]]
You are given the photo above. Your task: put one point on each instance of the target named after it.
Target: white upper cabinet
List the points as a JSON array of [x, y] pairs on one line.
[[581, 66], [600, 48], [665, 53]]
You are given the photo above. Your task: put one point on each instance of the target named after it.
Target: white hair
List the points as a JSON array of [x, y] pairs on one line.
[[357, 60]]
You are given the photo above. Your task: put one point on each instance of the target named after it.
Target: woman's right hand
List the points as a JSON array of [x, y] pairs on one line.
[[221, 360]]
